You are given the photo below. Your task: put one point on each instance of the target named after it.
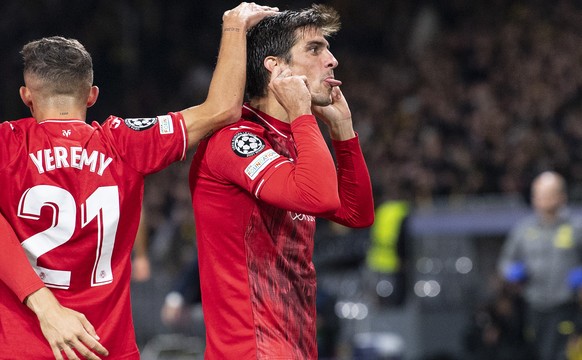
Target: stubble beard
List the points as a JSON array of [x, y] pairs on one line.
[[321, 99]]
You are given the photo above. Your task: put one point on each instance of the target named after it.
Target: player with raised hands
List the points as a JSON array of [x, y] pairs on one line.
[[259, 184]]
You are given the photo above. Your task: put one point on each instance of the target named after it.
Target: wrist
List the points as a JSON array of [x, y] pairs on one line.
[[296, 115], [341, 131], [234, 26], [233, 29], [41, 301]]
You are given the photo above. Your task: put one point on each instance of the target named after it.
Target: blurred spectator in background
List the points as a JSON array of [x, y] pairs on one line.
[[386, 255], [176, 312], [140, 262], [496, 330], [542, 251], [574, 346]]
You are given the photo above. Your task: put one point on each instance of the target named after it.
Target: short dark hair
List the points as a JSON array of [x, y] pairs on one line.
[[275, 36], [62, 65]]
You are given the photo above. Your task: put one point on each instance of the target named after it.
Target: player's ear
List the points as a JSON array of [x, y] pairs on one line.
[[25, 95], [271, 62], [93, 95]]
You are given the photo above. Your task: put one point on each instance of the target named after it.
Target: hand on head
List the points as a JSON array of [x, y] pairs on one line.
[[249, 13]]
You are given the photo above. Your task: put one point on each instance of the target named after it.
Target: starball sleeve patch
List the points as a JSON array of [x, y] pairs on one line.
[[246, 144], [139, 124]]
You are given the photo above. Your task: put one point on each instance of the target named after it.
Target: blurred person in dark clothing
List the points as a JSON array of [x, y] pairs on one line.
[[496, 330]]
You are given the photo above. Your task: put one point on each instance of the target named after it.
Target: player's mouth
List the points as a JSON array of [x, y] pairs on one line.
[[331, 81]]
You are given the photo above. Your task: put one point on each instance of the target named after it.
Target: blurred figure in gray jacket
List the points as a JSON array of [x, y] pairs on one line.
[[541, 253]]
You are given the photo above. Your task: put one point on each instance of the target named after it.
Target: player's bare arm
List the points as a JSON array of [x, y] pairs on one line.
[[226, 92]]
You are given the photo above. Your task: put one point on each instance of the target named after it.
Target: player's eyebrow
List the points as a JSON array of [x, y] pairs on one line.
[[317, 43]]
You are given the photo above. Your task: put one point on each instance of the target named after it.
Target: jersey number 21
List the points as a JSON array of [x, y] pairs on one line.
[[102, 205]]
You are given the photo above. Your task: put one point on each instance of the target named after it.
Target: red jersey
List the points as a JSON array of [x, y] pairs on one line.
[[257, 187], [73, 193]]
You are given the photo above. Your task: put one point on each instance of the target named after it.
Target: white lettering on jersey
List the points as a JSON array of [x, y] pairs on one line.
[[76, 157], [101, 207], [302, 217], [115, 123]]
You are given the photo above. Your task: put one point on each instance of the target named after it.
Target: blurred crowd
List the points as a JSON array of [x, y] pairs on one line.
[[479, 99]]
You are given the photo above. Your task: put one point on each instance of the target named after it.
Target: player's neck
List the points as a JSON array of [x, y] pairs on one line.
[[58, 113], [57, 107], [270, 106]]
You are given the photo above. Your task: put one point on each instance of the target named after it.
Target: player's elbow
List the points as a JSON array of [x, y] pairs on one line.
[[364, 220], [232, 114], [367, 216], [356, 220], [327, 204], [228, 114]]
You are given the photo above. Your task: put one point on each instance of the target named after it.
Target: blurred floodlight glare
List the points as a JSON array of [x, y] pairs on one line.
[[424, 265], [351, 311], [384, 288], [464, 265], [430, 288]]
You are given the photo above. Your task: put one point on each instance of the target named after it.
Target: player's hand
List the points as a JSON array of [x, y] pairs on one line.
[[291, 91], [337, 116], [247, 15], [65, 330]]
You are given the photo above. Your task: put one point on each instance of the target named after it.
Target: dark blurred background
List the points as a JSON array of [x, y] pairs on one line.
[[458, 105]]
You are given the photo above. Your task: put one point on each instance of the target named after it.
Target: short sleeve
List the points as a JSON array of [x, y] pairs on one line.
[[148, 144]]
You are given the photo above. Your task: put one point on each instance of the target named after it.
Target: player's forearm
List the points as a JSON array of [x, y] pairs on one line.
[[226, 92], [355, 189], [15, 270], [227, 87], [310, 186], [342, 130]]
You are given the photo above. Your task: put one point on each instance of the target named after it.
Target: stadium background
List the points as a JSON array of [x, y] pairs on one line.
[[458, 105]]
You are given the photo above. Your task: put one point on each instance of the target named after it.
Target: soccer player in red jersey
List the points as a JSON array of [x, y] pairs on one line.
[[259, 184], [72, 193]]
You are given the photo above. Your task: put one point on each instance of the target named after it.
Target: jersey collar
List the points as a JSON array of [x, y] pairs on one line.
[[280, 127]]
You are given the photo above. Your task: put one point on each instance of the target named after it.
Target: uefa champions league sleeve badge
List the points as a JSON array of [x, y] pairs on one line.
[[139, 124], [246, 144]]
